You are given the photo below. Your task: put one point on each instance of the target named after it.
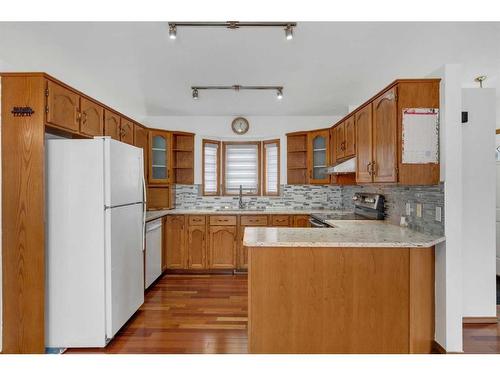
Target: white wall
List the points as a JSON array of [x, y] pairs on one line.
[[219, 127], [448, 266], [479, 194]]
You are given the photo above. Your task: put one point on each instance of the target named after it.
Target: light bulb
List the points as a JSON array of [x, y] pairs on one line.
[[279, 94], [289, 32], [195, 94], [172, 32]]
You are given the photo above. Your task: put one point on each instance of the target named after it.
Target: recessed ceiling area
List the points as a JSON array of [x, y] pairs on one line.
[[138, 69]]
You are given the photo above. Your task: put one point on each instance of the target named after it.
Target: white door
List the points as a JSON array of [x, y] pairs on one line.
[[123, 173], [153, 251], [124, 265]]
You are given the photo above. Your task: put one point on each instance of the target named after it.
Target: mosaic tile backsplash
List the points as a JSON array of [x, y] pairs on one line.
[[291, 197], [333, 198]]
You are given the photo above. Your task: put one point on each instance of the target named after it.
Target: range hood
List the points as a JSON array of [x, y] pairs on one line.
[[348, 166]]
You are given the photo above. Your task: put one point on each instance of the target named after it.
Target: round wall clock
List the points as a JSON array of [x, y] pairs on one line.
[[240, 125]]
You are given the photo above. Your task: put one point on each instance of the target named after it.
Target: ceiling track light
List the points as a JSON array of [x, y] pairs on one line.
[[237, 88], [172, 31], [233, 25]]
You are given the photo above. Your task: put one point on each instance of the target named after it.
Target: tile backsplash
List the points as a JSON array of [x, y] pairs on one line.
[[333, 198], [396, 198], [291, 196]]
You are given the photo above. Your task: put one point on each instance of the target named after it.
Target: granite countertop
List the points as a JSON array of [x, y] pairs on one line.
[[344, 233], [152, 215]]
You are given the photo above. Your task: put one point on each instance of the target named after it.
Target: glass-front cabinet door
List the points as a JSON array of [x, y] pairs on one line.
[[159, 157], [319, 156]]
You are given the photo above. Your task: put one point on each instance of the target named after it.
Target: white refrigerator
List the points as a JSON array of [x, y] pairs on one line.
[[95, 218]]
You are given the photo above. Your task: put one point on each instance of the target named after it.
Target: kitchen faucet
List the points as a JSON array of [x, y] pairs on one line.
[[241, 205]]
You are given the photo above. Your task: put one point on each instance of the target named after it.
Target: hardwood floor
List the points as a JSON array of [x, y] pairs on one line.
[[208, 314], [187, 314], [482, 338]]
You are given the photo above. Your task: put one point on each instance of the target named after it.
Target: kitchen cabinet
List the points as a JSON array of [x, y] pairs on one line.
[[247, 221], [183, 158], [63, 107], [280, 221], [319, 156], [175, 246], [296, 145], [344, 140], [127, 131], [92, 118], [384, 124], [196, 247], [159, 157], [363, 119], [141, 141], [112, 124], [222, 246], [301, 221]]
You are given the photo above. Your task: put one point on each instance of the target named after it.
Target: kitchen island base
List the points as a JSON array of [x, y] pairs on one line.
[[341, 300]]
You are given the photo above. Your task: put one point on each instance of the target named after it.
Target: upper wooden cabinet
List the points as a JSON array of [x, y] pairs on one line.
[[297, 166], [364, 158], [92, 118], [319, 156], [343, 140], [159, 157], [127, 131], [63, 107], [384, 164], [112, 124], [141, 140]]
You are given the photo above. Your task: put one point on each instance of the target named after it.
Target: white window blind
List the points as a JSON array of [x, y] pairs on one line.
[[211, 180], [242, 168], [271, 157]]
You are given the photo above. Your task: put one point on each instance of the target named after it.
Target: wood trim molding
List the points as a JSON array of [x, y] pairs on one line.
[[203, 143], [498, 131], [479, 320], [264, 167]]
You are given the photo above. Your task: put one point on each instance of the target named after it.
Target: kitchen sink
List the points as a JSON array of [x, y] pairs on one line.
[[222, 209]]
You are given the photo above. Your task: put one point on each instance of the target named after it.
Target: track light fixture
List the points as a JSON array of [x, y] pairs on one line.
[[288, 32], [172, 26], [195, 94], [278, 89], [172, 31]]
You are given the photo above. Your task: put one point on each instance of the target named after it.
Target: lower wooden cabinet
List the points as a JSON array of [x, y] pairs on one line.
[[222, 246], [301, 221], [196, 247], [175, 245]]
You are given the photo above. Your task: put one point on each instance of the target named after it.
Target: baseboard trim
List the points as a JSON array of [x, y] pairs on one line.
[[479, 319]]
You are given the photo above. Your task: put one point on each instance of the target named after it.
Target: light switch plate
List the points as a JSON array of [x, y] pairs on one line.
[[408, 209], [419, 209], [438, 213]]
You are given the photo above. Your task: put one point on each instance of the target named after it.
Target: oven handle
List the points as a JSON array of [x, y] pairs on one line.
[[317, 224]]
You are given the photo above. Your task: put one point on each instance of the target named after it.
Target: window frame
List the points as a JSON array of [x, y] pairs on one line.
[[218, 177], [259, 167], [264, 167]]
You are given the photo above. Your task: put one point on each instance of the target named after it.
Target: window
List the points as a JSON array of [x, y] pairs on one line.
[[211, 165], [241, 167], [271, 167], [241, 163]]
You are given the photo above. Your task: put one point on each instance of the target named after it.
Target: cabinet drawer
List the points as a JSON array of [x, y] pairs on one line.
[[280, 220], [196, 220], [222, 220], [254, 220]]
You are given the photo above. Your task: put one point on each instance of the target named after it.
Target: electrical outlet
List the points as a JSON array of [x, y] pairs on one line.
[[438, 213], [408, 209], [419, 209]]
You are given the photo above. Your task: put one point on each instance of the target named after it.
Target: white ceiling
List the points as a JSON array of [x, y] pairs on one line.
[[136, 68]]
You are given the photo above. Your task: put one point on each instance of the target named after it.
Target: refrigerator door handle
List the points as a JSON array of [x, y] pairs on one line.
[[143, 213]]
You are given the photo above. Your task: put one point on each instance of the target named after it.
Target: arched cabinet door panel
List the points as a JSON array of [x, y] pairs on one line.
[[63, 107], [319, 156], [159, 157], [92, 118]]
